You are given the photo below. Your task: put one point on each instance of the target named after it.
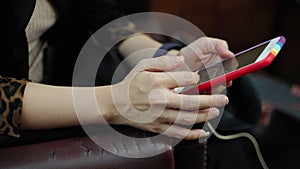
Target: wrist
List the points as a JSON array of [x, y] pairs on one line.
[[105, 103]]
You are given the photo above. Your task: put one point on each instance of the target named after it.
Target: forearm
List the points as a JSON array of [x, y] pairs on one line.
[[138, 42], [140, 46], [46, 107]]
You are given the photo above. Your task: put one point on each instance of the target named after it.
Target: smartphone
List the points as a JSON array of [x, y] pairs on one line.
[[242, 63]]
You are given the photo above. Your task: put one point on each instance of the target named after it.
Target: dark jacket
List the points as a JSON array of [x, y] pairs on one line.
[[77, 20]]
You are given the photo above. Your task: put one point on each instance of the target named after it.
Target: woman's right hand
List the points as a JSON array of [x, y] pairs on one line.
[[145, 99]]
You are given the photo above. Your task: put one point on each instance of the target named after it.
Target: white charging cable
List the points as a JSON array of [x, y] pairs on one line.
[[239, 135]]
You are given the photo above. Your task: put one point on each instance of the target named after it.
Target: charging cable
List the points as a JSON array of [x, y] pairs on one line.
[[240, 135]]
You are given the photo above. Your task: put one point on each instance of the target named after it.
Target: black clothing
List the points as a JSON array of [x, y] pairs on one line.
[[78, 19]]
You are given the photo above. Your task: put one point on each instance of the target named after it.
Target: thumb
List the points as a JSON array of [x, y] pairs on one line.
[[223, 51]]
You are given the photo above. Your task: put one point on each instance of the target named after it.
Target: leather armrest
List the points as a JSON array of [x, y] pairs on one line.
[[71, 148], [80, 152]]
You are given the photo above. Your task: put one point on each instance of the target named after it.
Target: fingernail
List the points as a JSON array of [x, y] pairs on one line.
[[223, 100], [204, 133], [226, 100], [197, 77], [214, 112], [177, 59], [226, 51], [229, 53]]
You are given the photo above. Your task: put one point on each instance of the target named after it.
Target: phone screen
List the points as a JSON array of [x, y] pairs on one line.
[[227, 65], [240, 60]]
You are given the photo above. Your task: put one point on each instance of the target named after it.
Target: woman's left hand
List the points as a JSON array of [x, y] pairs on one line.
[[203, 52]]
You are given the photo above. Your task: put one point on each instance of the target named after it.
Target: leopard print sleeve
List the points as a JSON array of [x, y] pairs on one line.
[[11, 95]]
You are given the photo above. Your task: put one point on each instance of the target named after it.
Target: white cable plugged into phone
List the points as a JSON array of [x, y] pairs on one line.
[[239, 135]]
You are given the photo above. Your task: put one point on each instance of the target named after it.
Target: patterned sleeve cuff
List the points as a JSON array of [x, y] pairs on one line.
[[11, 94]]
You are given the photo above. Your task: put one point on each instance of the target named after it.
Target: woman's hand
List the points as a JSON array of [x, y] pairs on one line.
[[204, 51], [145, 99]]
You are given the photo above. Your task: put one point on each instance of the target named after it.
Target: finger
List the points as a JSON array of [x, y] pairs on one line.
[[195, 102], [230, 64], [218, 46], [164, 63], [173, 79], [229, 84], [188, 118], [177, 131], [218, 89], [223, 50]]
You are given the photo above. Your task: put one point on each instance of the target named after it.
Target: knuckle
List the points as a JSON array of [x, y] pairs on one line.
[[139, 79], [161, 62], [156, 115], [189, 78], [163, 99], [167, 116], [190, 103], [158, 97], [206, 101], [166, 119], [155, 81], [179, 136], [201, 118], [223, 42], [188, 121], [153, 127], [142, 63], [192, 137]]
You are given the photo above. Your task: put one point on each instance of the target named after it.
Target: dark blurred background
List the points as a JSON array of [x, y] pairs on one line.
[[242, 23]]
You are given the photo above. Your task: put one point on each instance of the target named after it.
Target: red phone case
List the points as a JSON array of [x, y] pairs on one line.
[[239, 72]]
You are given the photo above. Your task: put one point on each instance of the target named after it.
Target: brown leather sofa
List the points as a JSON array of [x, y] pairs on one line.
[[71, 148]]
